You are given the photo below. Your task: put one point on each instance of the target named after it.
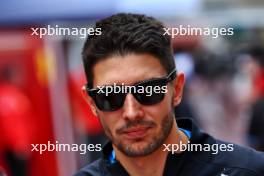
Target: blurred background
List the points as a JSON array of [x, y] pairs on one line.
[[41, 78]]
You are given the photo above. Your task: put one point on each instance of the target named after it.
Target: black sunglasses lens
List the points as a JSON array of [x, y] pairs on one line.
[[150, 100], [154, 92], [110, 102]]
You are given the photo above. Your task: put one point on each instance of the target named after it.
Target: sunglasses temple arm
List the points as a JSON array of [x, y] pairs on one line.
[[172, 75]]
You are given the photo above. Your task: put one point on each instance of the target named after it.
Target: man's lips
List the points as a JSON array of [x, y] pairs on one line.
[[136, 132]]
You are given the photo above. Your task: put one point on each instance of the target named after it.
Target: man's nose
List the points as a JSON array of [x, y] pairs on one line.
[[132, 109]]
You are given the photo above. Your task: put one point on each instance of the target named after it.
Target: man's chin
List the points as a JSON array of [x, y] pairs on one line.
[[136, 149]]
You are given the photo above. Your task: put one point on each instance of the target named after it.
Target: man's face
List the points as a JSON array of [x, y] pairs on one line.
[[135, 129]]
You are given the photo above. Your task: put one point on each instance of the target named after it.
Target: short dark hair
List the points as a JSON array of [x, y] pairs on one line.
[[126, 33]]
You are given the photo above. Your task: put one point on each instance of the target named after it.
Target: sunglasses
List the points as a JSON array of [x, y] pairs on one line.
[[112, 101]]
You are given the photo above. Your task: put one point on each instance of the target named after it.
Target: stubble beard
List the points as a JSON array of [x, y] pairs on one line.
[[149, 146]]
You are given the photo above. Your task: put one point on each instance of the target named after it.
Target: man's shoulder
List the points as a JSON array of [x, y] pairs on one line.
[[244, 158], [91, 169], [241, 159]]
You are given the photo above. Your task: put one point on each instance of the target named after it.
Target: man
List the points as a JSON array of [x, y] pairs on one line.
[[131, 56]]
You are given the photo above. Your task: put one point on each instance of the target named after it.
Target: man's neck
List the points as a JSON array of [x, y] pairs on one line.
[[154, 163]]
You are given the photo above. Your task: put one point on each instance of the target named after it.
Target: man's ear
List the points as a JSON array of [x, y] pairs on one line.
[[89, 101], [178, 89]]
